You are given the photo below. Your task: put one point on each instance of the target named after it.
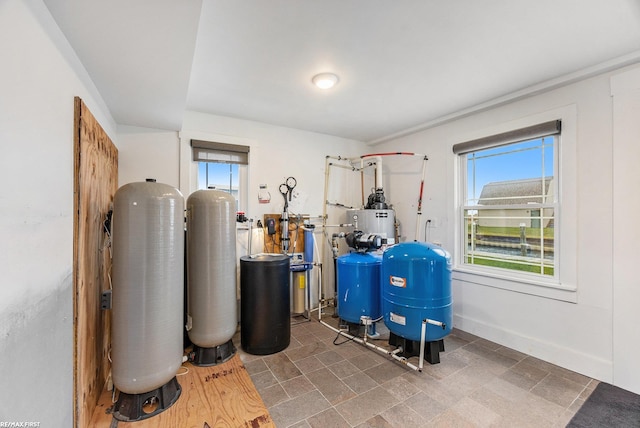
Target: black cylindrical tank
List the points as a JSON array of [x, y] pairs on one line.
[[265, 323]]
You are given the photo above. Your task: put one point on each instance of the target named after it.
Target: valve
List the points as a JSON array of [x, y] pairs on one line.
[[363, 242]]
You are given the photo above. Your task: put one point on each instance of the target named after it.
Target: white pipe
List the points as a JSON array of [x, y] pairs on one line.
[[339, 158], [349, 167], [436, 323], [250, 235], [324, 209], [320, 291], [371, 345], [423, 334]]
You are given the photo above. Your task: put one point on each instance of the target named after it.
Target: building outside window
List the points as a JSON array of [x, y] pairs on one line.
[[510, 201]]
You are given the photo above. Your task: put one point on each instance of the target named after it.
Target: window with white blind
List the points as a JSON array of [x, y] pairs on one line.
[[510, 200]]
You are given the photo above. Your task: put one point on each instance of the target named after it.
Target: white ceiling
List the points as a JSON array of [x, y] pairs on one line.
[[402, 64]]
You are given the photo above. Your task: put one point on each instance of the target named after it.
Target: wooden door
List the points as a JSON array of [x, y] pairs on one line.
[[95, 183]]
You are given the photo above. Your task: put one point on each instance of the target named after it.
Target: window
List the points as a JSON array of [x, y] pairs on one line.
[[510, 201], [222, 167], [220, 176]]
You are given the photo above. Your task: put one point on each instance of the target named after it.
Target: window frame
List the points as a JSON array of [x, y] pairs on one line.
[[228, 186], [189, 165], [540, 207], [223, 153], [563, 285]]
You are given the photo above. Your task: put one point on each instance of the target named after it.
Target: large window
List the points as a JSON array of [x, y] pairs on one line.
[[222, 166], [510, 201]]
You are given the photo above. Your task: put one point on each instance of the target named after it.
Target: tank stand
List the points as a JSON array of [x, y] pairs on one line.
[[356, 329], [136, 407], [411, 348], [212, 356]]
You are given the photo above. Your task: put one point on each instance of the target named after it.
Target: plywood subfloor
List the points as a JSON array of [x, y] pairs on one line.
[[217, 396]]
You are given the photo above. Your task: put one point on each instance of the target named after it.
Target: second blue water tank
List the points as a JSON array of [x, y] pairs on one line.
[[358, 277], [416, 284]]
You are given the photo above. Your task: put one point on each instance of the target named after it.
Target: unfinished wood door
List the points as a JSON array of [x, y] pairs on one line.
[[95, 183]]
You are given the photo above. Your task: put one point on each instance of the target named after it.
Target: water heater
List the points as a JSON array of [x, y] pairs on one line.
[[379, 222]]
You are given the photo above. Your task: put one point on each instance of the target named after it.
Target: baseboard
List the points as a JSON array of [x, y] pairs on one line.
[[568, 358]]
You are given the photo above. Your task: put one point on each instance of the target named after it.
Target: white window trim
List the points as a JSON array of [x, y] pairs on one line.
[[189, 167], [540, 206], [562, 286]]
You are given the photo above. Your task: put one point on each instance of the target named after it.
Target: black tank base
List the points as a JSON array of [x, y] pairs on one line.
[[357, 329], [352, 328], [411, 348], [136, 407], [212, 356]]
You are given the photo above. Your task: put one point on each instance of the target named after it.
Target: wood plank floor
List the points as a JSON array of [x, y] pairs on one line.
[[217, 396]]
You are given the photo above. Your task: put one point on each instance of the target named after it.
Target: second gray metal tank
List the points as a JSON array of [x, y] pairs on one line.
[[211, 267]]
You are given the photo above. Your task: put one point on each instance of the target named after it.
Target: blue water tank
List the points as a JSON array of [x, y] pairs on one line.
[[416, 284], [358, 286]]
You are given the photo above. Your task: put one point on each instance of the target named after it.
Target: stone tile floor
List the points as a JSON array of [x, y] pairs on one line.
[[478, 383]]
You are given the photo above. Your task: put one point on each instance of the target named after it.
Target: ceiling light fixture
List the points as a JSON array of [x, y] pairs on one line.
[[325, 80]]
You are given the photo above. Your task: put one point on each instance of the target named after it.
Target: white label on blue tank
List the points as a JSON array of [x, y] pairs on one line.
[[398, 281], [398, 319]]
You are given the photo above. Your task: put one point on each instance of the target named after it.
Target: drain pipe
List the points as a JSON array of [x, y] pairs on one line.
[[392, 354]]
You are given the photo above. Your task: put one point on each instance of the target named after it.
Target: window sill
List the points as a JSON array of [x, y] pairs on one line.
[[541, 287]]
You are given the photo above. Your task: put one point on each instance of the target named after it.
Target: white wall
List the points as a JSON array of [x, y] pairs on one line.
[[625, 89], [574, 335], [275, 154], [39, 78], [148, 153]]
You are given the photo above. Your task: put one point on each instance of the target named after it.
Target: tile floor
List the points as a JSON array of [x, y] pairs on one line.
[[478, 383]]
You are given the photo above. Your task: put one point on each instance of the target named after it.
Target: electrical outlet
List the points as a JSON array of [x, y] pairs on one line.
[[105, 300]]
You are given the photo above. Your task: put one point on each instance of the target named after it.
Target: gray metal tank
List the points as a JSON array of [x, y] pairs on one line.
[[148, 286], [211, 267], [379, 222]]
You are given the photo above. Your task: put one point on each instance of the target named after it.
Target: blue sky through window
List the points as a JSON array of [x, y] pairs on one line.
[[219, 175], [528, 159]]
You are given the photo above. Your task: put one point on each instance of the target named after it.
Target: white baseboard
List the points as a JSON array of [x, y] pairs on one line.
[[554, 353]]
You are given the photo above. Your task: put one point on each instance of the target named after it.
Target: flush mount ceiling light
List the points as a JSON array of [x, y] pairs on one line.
[[325, 80]]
